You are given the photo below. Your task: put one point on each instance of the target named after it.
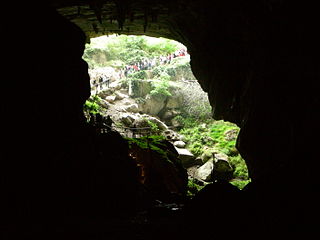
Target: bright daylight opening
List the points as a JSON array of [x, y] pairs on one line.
[[143, 88]]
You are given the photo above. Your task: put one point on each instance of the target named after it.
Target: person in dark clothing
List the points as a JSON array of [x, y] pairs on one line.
[[108, 82]]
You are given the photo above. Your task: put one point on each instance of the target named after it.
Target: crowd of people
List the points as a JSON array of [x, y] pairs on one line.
[[148, 64], [99, 77]]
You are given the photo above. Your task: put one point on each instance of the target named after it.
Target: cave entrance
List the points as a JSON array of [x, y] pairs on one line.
[[145, 90]]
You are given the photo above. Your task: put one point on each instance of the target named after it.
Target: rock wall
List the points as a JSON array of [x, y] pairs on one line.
[[252, 61], [46, 149], [259, 63]]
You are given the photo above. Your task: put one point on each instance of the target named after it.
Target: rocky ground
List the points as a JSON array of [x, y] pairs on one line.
[[132, 117]]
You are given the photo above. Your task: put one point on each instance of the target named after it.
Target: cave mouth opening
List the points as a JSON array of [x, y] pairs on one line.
[[144, 89], [39, 186]]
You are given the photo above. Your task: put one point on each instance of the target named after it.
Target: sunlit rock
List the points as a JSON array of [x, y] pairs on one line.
[[186, 157], [179, 144], [204, 172]]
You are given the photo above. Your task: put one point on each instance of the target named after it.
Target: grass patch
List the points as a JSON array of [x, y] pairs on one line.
[[214, 136]]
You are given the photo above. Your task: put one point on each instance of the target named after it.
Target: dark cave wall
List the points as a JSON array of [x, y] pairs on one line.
[[258, 62], [45, 150]]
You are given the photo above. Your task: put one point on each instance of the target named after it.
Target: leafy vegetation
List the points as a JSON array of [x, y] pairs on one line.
[[104, 51], [160, 88], [154, 127], [155, 143], [144, 142], [92, 106]]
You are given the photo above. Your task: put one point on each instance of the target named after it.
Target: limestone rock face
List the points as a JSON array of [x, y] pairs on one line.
[[142, 88], [153, 104], [174, 101]]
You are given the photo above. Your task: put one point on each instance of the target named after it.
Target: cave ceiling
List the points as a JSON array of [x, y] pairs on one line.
[[102, 17]]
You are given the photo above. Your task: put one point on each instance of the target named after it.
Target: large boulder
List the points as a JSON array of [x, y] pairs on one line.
[[216, 167], [174, 101], [204, 172], [208, 153], [141, 88], [144, 121], [186, 157], [153, 104]]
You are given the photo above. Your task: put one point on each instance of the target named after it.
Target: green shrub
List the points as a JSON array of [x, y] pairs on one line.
[[92, 106], [154, 127], [160, 88], [156, 71]]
